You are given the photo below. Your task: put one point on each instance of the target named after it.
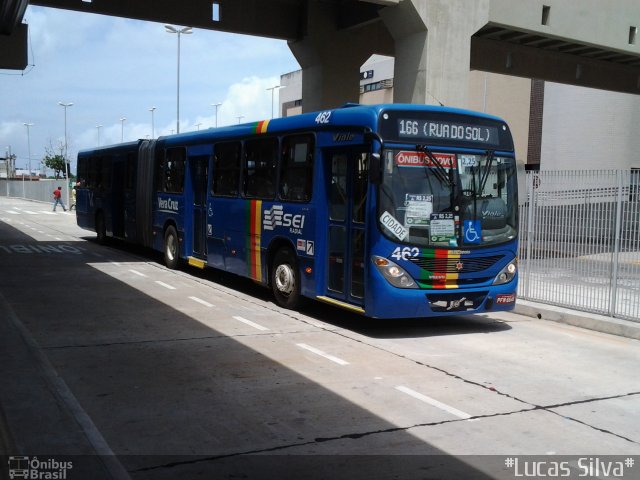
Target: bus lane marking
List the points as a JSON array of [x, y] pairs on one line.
[[202, 302], [165, 285], [250, 323], [140, 274], [337, 360], [433, 402]]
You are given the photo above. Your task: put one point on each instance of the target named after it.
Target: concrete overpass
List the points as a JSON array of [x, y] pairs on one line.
[[436, 43]]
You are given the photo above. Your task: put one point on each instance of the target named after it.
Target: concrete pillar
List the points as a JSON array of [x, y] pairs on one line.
[[331, 57], [433, 48]]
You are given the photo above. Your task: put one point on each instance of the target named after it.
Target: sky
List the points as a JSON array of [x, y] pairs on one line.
[[112, 68]]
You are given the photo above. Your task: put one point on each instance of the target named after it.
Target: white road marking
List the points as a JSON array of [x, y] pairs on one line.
[[433, 402], [140, 274], [201, 302], [165, 285], [337, 360], [250, 323]]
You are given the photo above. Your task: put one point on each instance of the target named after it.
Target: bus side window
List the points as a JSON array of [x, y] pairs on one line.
[[94, 173], [173, 175], [82, 171], [259, 170], [226, 169], [105, 176], [296, 168], [130, 175]]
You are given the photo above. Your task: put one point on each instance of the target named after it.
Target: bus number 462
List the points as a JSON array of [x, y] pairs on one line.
[[405, 253]]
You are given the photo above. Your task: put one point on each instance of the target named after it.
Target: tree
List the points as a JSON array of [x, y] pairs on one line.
[[55, 161]]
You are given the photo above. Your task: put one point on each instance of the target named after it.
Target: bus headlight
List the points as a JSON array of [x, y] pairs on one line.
[[395, 275], [507, 273]]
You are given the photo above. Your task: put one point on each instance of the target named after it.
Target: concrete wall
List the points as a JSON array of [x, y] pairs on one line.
[[506, 97], [591, 22], [41, 190], [290, 95], [584, 128]]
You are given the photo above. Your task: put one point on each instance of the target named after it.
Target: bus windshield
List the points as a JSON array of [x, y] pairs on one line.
[[448, 199]]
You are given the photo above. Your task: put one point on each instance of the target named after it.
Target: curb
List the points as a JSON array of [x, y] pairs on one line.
[[590, 321]]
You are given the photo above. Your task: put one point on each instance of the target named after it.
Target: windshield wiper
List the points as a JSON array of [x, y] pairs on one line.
[[440, 172], [484, 176]]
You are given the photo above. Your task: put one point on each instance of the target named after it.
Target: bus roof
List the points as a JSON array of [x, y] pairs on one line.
[[348, 115]]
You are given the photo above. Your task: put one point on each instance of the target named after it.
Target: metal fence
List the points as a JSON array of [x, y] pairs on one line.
[[580, 241]]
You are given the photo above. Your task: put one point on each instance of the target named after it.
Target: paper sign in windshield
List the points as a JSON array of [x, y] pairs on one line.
[[443, 227], [419, 208], [393, 225], [407, 158]]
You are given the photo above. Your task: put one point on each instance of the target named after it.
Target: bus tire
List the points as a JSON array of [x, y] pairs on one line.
[[171, 248], [101, 229], [285, 279]]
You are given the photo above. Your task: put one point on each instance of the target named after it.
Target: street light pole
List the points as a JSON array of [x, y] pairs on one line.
[[98, 127], [66, 163], [153, 127], [29, 146], [178, 31], [275, 87], [240, 117], [122, 120], [216, 105]]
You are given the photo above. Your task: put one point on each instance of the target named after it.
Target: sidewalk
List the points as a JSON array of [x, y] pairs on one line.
[[590, 321]]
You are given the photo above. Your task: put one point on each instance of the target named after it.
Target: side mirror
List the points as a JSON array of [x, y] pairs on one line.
[[375, 168], [375, 163]]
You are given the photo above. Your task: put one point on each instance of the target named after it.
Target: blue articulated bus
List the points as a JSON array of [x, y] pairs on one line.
[[391, 211]]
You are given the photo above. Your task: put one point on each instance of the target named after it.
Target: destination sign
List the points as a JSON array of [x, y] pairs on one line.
[[440, 127], [430, 130]]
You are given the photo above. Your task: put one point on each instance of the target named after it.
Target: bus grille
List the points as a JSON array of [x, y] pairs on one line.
[[452, 265]]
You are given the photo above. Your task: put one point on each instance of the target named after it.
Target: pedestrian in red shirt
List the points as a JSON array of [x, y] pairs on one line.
[[57, 199]]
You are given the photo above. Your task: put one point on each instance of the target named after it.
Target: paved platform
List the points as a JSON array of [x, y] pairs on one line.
[[52, 337]]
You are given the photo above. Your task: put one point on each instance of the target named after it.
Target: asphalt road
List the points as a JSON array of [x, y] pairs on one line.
[[135, 371]]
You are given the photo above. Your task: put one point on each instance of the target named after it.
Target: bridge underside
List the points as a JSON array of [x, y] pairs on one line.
[[435, 42]]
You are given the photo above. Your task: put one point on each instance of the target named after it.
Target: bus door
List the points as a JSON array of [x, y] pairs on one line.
[[347, 206], [198, 170]]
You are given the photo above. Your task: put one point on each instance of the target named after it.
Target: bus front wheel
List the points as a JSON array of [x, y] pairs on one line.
[[285, 279], [171, 255]]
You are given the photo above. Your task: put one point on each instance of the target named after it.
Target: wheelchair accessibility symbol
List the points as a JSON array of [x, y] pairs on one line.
[[472, 231]]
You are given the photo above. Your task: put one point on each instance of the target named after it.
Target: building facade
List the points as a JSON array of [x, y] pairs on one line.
[[555, 126]]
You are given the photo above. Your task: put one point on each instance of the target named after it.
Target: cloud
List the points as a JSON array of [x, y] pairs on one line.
[[112, 68]]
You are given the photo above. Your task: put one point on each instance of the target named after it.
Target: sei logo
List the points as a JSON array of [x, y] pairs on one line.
[[275, 217]]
